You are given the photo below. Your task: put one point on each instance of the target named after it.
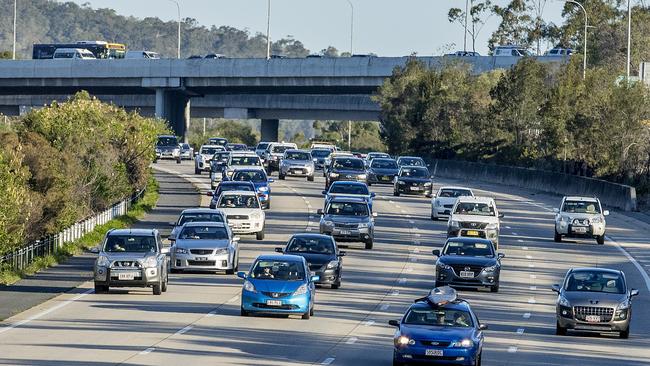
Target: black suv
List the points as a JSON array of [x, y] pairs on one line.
[[346, 169]]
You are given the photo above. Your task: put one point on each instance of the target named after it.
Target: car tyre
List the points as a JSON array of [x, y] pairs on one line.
[[433, 218], [157, 288], [281, 176], [600, 239], [101, 289], [625, 334], [396, 193], [369, 244], [259, 235], [310, 178], [268, 204], [494, 288], [557, 238], [559, 330], [165, 284], [243, 312], [197, 171], [307, 315]]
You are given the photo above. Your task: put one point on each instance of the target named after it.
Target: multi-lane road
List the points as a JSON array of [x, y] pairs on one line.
[[197, 321]]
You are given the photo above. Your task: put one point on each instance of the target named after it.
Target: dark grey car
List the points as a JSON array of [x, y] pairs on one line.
[[594, 300], [348, 219]]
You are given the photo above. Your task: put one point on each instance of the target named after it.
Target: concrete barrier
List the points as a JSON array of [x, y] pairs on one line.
[[610, 194]]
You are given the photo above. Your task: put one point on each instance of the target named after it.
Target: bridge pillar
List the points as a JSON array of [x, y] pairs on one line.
[[270, 130], [174, 106]]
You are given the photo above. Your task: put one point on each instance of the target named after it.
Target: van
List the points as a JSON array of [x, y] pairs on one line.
[[76, 53], [510, 50], [142, 54]]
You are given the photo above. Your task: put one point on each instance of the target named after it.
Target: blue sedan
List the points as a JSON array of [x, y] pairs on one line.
[[438, 332], [261, 181], [278, 284]]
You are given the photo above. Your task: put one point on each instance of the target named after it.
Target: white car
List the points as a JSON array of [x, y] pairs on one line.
[[510, 50], [444, 200], [580, 217], [242, 160], [204, 157], [274, 153], [243, 212], [205, 246], [297, 163], [475, 217]]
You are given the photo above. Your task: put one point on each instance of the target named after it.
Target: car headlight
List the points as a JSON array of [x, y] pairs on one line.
[[301, 290], [404, 340], [102, 261], [465, 343], [438, 204], [564, 302], [248, 286], [328, 223], [315, 160], [332, 264], [427, 184], [264, 189], [442, 266], [181, 250], [490, 269], [176, 151], [150, 262], [624, 305], [363, 225], [334, 175], [221, 251], [229, 173], [400, 182], [492, 226], [158, 151], [256, 216], [597, 220], [454, 223]]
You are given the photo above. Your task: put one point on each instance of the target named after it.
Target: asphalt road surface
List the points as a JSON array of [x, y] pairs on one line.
[[197, 322]]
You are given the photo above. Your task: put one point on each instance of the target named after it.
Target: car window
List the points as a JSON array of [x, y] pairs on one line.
[[297, 156], [411, 162], [209, 150], [350, 164], [321, 153], [167, 141], [278, 270], [262, 146], [468, 249], [474, 208], [203, 216], [130, 244], [349, 189], [249, 175], [203, 233], [383, 164], [595, 281], [245, 160], [426, 315], [588, 207], [238, 201], [348, 209], [315, 245], [414, 173], [217, 141], [455, 193], [221, 156], [280, 149]]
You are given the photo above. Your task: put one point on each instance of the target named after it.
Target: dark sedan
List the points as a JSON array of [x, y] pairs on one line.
[[346, 169], [468, 263], [382, 171], [413, 180], [322, 255]]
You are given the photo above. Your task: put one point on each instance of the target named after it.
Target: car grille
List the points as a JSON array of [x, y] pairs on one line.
[[237, 217], [448, 206], [281, 307], [605, 314], [346, 226], [201, 263], [315, 267], [201, 251], [460, 267], [436, 343], [277, 295], [126, 264], [472, 225]]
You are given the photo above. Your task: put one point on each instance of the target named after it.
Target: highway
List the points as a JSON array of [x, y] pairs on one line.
[[197, 321]]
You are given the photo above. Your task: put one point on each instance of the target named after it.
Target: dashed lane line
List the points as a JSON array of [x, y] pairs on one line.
[[328, 361], [351, 340], [148, 351]]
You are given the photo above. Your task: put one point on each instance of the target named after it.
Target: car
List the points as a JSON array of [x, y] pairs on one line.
[[559, 51], [186, 151], [413, 180], [142, 54], [167, 148], [236, 147], [260, 148], [348, 219], [476, 217], [464, 54], [346, 169], [73, 53], [372, 155], [204, 157], [443, 201], [278, 284], [243, 212], [349, 189], [218, 166], [260, 180], [468, 263], [322, 255], [222, 141], [131, 258], [205, 246], [594, 300], [214, 56], [580, 217], [195, 214], [438, 329], [241, 160], [323, 145], [228, 186], [320, 156], [410, 161], [195, 57], [274, 153], [382, 171], [510, 50], [297, 163], [328, 160]]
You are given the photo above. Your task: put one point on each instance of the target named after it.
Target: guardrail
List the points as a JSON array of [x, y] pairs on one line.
[[20, 258]]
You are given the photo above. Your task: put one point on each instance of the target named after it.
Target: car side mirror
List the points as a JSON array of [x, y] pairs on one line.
[[394, 323], [94, 250], [314, 278], [324, 192], [556, 210], [279, 250], [436, 252], [319, 211], [342, 253], [634, 292], [374, 214], [556, 288], [373, 194], [164, 251], [606, 213], [501, 215], [241, 275], [209, 193], [482, 327], [501, 255]]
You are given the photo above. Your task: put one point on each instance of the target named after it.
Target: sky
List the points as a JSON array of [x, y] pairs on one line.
[[384, 27]]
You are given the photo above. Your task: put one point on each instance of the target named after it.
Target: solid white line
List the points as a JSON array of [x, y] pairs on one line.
[[507, 227], [416, 234], [42, 314], [532, 300], [520, 331], [512, 349], [403, 211], [148, 351], [211, 314], [409, 269], [520, 241], [308, 229], [385, 307], [184, 330], [527, 316], [328, 361], [531, 266], [644, 274], [351, 340], [533, 288]]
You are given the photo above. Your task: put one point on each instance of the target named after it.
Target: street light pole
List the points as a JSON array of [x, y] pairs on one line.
[[351, 26], [268, 31], [178, 8], [15, 15], [629, 40], [465, 36], [584, 56]]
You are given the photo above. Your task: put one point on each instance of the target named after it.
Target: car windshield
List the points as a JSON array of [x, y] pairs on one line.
[[249, 175], [278, 270], [349, 189], [209, 150], [217, 141], [262, 146], [427, 315], [377, 155], [297, 156], [595, 281], [225, 187], [203, 233], [414, 173], [202, 216], [130, 244], [474, 208], [321, 153], [449, 192], [348, 209], [167, 141], [238, 201], [317, 245], [221, 156], [237, 147], [185, 146], [349, 164], [280, 149], [245, 160], [383, 164], [411, 162], [587, 207], [468, 249]]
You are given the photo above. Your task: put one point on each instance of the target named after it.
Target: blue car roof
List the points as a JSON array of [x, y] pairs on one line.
[[280, 257], [236, 182], [464, 239], [349, 183], [348, 199], [456, 305]]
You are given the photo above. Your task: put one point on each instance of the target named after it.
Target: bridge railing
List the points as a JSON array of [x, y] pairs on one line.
[[20, 258]]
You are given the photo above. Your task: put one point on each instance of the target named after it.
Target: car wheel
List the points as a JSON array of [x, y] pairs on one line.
[[157, 288], [336, 285], [197, 171], [281, 176], [268, 204], [165, 284], [369, 184], [396, 193], [625, 334], [259, 235], [101, 289], [243, 312], [307, 315], [369, 244], [557, 238], [310, 178], [600, 239], [494, 288], [434, 218], [559, 330], [178, 161], [478, 359]]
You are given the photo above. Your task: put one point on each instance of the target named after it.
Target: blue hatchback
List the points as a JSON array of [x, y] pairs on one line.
[[261, 181], [438, 332], [278, 284]]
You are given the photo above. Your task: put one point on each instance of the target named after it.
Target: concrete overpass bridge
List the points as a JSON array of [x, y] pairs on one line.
[[270, 90]]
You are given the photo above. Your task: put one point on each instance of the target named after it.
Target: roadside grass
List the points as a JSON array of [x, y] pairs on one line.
[[9, 275]]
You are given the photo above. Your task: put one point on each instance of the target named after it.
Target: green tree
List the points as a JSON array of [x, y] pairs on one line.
[[476, 16], [15, 205], [5, 55]]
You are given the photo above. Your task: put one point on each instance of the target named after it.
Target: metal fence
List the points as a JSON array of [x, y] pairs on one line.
[[22, 257]]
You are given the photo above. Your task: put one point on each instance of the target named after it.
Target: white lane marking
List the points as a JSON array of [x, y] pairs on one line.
[[512, 349], [402, 280], [527, 316], [351, 340], [524, 248], [529, 257], [148, 351], [385, 307], [369, 323], [532, 300], [212, 313], [184, 330], [532, 277], [409, 269], [328, 361], [308, 229], [520, 331], [414, 259], [42, 314], [514, 233], [644, 274], [533, 288], [394, 293], [416, 234], [398, 206], [411, 222], [531, 266], [403, 211], [507, 227]]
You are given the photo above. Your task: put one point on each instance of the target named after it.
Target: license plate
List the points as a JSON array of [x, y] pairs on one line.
[[386, 179], [345, 232], [580, 229], [593, 318], [466, 274], [415, 188], [273, 302], [472, 233], [433, 352], [128, 276], [201, 259]]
